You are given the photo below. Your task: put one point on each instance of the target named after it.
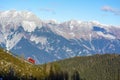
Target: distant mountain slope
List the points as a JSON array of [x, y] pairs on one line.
[[23, 33], [97, 67]]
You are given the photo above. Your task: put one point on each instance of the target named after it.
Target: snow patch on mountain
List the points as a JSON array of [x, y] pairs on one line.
[[72, 34], [71, 27], [29, 26], [42, 40], [1, 38], [106, 35], [10, 43], [85, 46]]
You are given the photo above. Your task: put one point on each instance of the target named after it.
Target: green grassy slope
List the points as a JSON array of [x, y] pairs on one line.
[[20, 66], [97, 67], [16, 68]]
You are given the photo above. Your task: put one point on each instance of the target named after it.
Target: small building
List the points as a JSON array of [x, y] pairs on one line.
[[29, 59]]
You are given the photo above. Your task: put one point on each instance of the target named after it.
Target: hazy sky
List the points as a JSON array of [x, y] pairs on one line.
[[104, 11]]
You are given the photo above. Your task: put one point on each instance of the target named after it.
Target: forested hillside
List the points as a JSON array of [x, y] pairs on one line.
[[97, 67]]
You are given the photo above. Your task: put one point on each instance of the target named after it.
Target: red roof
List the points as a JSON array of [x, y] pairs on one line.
[[31, 60]]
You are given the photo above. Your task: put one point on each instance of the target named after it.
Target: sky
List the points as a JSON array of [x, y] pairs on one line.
[[103, 11]]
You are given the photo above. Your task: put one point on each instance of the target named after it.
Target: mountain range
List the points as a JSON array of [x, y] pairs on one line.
[[24, 34]]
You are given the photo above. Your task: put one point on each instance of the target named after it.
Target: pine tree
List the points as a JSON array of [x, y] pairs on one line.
[[76, 76]]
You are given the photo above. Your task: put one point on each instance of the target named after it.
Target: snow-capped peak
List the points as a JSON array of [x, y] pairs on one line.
[[95, 22], [15, 13], [26, 19], [80, 29]]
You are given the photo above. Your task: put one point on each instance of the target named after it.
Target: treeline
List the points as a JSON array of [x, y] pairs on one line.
[[64, 76], [97, 67], [54, 73]]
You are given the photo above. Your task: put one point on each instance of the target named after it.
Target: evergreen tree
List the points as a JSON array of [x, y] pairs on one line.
[[76, 76]]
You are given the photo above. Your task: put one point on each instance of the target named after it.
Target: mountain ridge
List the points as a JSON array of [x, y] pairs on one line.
[[55, 40]]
